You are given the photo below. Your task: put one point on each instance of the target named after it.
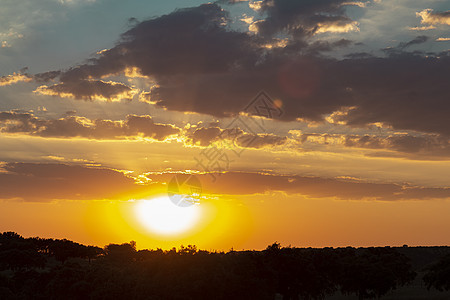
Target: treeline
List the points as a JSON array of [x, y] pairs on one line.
[[35, 268]]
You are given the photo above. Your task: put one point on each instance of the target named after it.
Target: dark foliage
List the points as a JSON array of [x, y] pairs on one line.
[[438, 275], [36, 268]]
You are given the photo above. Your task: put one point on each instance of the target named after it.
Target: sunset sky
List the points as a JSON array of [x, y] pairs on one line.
[[309, 122]]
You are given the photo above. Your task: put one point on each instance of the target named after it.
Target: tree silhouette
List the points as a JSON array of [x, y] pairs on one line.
[[121, 253], [438, 275], [120, 271], [373, 272]]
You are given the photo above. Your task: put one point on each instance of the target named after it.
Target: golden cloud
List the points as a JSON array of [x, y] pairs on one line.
[[89, 90], [14, 78], [337, 27], [430, 17]]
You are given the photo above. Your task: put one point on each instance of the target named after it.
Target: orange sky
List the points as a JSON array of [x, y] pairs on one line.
[[309, 132], [243, 222]]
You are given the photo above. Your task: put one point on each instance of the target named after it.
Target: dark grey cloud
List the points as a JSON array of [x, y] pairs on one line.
[[134, 126], [399, 49], [405, 91], [301, 18], [416, 41], [88, 90], [187, 41], [424, 147], [72, 126], [199, 65], [316, 187], [47, 182], [46, 76], [359, 55], [431, 146], [325, 46], [19, 122], [205, 136]]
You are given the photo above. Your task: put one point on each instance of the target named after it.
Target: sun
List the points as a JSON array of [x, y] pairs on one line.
[[162, 216]]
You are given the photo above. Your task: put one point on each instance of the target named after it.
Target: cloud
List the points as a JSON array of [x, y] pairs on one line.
[[72, 126], [356, 3], [144, 125], [14, 78], [337, 26], [442, 39], [46, 76], [197, 64], [8, 37], [405, 91], [304, 18], [205, 136], [399, 50], [422, 28], [89, 90], [255, 5], [416, 41], [47, 182], [24, 22], [234, 1], [231, 183], [421, 146], [71, 2], [133, 127], [434, 18], [187, 41]]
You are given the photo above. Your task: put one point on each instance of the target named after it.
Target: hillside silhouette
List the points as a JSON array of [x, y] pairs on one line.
[[40, 268]]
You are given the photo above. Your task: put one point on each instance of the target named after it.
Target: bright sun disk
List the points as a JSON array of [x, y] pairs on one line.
[[161, 216]]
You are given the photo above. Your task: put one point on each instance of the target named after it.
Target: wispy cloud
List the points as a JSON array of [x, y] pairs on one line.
[[422, 28]]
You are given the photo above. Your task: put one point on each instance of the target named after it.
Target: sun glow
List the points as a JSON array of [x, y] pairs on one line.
[[161, 216]]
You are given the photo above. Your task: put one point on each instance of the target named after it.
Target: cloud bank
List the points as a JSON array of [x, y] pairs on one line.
[[195, 63], [47, 182], [73, 126]]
